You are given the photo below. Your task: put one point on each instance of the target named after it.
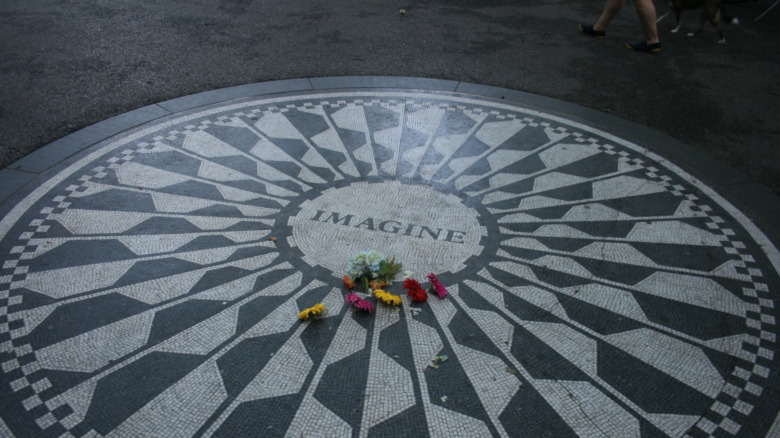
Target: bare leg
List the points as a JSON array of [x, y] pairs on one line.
[[611, 9], [646, 11]]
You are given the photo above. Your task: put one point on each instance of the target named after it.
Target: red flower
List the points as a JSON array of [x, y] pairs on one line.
[[415, 291], [348, 283]]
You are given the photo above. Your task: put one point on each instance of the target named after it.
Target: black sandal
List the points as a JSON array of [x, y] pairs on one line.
[[590, 31], [642, 46]]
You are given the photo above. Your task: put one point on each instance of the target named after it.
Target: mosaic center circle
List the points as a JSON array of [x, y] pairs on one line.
[[428, 230]]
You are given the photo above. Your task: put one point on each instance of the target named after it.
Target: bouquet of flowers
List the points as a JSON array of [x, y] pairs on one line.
[[372, 270]]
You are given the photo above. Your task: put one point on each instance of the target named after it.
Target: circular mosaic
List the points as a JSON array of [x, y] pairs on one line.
[[152, 286]]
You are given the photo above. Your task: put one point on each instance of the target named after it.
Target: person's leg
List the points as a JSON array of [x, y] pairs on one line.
[[646, 11], [611, 9]]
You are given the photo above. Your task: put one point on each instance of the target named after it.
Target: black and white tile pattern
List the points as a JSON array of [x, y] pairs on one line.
[[151, 288]]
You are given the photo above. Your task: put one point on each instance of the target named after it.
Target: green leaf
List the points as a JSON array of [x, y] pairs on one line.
[[388, 269]]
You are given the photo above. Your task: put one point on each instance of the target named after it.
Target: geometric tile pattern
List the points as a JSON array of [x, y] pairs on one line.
[[152, 286]]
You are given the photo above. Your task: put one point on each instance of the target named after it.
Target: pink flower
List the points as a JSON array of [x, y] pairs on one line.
[[437, 287], [359, 303]]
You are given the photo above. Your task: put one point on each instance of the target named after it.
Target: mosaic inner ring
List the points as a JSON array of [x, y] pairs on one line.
[[153, 284]]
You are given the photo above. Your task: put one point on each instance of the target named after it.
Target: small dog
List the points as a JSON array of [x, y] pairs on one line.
[[711, 11]]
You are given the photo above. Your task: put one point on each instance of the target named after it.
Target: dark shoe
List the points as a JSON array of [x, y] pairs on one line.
[[644, 47], [590, 31]]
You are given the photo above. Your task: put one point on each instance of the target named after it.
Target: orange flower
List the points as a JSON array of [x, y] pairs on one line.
[[377, 283], [348, 283]]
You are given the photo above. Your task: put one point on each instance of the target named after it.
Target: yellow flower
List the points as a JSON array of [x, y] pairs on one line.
[[387, 298], [316, 311]]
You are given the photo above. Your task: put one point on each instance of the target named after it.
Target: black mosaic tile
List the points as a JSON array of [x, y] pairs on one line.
[[410, 422], [206, 242], [596, 318], [64, 380], [527, 311], [528, 414], [267, 418], [575, 192], [317, 336], [655, 204], [541, 360], [604, 228], [219, 211], [649, 388], [196, 189], [173, 320], [528, 139], [524, 253], [255, 310], [548, 212], [241, 138], [454, 123], [172, 161], [567, 244], [450, 388], [618, 272], [590, 167], [244, 361], [393, 341], [307, 124], [272, 277], [472, 147], [557, 278], [162, 225], [684, 256], [78, 253], [692, 320], [137, 385], [240, 163], [379, 118], [342, 388], [649, 430], [32, 299], [467, 333], [291, 169], [146, 270], [69, 320], [119, 200]]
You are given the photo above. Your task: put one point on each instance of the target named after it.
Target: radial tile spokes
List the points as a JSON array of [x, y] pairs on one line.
[[154, 284]]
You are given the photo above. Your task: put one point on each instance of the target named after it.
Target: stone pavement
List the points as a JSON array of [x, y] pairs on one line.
[[598, 286]]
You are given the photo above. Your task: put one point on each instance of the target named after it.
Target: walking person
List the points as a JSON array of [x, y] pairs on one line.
[[646, 11]]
